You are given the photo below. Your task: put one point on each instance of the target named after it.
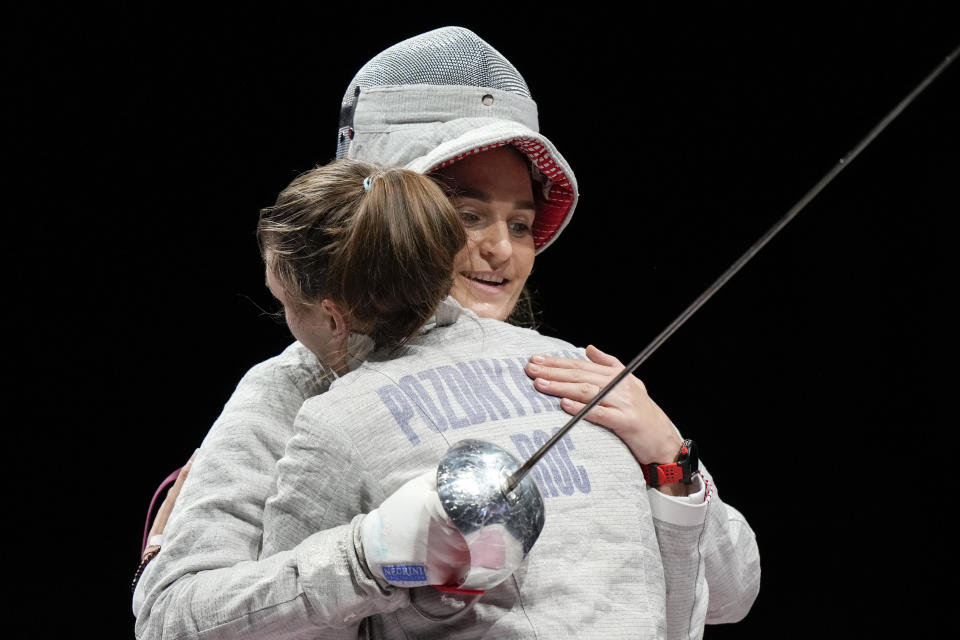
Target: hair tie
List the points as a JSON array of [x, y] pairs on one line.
[[367, 182]]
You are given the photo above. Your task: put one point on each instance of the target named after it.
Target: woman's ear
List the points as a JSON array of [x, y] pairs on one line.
[[336, 318]]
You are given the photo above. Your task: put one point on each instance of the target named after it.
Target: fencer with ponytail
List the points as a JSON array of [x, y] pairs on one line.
[[380, 242]]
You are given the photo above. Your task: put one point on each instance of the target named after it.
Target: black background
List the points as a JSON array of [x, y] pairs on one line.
[[817, 382]]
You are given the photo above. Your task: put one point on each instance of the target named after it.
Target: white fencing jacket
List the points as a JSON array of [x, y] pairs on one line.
[[266, 550]]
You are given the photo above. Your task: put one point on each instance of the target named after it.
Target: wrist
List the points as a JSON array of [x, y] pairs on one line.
[[676, 490], [667, 452]]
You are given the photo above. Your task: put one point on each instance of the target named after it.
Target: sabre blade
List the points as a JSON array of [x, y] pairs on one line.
[[514, 479]]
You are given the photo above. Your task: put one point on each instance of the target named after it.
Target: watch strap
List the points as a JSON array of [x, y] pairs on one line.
[[660, 474], [681, 470]]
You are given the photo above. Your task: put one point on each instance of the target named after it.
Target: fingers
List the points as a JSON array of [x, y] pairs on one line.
[[448, 557], [581, 381], [569, 374], [598, 363], [605, 416], [568, 363], [160, 520], [602, 358], [589, 377], [579, 391], [178, 483]]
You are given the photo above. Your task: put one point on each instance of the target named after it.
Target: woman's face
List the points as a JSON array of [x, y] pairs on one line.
[[494, 195]]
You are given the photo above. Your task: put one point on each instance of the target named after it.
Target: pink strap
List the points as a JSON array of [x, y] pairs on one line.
[[170, 479]]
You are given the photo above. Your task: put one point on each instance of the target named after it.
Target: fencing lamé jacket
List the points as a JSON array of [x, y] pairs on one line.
[[610, 553]]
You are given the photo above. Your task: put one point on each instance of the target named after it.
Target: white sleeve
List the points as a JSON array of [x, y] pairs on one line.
[[315, 480], [710, 559], [208, 581]]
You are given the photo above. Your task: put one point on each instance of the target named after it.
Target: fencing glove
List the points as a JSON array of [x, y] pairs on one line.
[[409, 541]]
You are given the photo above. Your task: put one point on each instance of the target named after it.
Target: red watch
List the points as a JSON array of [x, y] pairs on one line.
[[686, 465]]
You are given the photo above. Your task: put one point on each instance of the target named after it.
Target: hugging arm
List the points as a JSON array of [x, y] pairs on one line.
[[711, 563], [710, 556], [208, 581], [316, 499]]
